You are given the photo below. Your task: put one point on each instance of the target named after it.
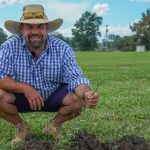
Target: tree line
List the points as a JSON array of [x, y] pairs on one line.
[[86, 34], [3, 36]]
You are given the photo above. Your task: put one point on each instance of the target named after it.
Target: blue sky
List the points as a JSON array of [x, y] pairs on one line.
[[117, 14]]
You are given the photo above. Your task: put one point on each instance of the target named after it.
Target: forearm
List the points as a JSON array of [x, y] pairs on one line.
[[81, 89], [13, 85]]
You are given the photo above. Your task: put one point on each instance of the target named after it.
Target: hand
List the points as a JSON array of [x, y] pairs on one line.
[[35, 99], [91, 98]]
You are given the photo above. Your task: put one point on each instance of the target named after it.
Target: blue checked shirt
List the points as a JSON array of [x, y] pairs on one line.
[[55, 65]]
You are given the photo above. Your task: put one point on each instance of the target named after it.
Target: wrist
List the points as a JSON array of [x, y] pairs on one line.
[[25, 87]]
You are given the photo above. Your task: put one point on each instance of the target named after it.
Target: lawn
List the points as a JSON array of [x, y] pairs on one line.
[[123, 81]]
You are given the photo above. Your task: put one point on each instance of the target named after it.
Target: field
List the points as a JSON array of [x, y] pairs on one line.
[[123, 81]]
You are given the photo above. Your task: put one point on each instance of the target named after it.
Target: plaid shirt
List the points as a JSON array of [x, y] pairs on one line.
[[55, 65]]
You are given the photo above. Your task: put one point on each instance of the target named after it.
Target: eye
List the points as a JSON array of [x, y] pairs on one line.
[[42, 26], [28, 27]]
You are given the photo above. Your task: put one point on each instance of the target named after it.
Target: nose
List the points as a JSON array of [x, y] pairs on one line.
[[35, 30]]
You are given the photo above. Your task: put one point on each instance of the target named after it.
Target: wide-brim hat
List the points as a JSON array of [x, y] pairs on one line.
[[14, 26]]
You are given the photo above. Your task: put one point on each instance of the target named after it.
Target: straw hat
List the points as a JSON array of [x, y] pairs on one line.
[[14, 26]]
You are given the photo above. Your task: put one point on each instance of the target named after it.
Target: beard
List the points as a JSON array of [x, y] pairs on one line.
[[35, 41]]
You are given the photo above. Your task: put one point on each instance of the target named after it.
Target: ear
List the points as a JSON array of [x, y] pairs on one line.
[[47, 26], [21, 28]]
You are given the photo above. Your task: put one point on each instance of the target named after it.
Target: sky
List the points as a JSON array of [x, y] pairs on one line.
[[117, 14]]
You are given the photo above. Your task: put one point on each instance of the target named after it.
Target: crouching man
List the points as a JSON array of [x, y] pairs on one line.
[[38, 72]]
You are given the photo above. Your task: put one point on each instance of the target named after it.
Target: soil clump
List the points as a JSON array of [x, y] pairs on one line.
[[85, 141]]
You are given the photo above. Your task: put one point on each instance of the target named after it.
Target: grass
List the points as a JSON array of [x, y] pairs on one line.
[[123, 81]]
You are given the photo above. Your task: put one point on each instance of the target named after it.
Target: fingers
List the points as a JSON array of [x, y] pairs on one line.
[[92, 100], [39, 103], [92, 104], [36, 103], [93, 96], [31, 104], [42, 101]]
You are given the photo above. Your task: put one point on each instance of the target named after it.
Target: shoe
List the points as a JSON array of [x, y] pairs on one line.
[[53, 129], [23, 130]]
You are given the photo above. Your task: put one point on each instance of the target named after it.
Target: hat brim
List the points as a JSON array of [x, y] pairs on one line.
[[14, 26]]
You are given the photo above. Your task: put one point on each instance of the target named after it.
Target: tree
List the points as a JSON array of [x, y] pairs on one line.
[[60, 36], [86, 31], [126, 43], [142, 29], [116, 42], [3, 36], [113, 41]]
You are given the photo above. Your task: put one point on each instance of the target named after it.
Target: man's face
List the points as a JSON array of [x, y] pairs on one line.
[[34, 35]]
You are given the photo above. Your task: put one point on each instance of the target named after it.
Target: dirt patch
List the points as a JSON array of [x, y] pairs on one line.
[[85, 141], [37, 145], [131, 143]]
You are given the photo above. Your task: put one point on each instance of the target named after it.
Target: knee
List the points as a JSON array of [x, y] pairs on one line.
[[6, 97], [73, 104], [77, 104], [78, 107]]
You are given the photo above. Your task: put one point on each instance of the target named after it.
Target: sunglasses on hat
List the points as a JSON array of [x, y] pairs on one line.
[[29, 15]]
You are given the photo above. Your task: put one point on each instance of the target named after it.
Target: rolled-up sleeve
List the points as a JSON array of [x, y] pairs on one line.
[[72, 73], [6, 63]]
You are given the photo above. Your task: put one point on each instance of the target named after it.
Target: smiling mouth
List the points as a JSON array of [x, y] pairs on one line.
[[35, 38]]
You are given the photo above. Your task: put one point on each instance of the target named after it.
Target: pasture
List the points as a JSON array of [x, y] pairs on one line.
[[123, 81]]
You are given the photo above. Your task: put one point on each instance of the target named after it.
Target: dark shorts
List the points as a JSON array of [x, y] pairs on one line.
[[52, 104]]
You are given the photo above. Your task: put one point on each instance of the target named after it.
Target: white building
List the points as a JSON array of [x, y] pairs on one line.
[[140, 48]]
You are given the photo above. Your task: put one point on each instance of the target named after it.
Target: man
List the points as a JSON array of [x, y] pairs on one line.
[[38, 72]]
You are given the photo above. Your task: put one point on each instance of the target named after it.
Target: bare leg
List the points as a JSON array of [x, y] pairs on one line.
[[8, 110], [72, 108], [13, 119]]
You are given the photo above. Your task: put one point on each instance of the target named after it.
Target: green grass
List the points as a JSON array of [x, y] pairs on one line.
[[123, 81]]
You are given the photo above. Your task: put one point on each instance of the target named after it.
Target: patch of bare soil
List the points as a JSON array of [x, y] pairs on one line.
[[85, 141], [37, 145], [131, 143]]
